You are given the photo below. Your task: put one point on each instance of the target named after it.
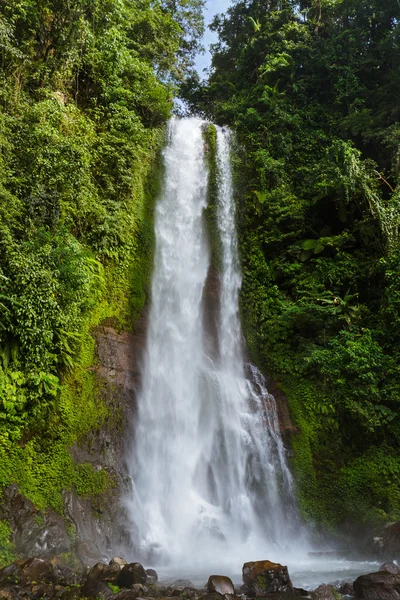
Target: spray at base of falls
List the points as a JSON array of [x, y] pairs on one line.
[[211, 485]]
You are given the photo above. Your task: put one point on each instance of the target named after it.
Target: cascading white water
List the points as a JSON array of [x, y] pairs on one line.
[[211, 485]]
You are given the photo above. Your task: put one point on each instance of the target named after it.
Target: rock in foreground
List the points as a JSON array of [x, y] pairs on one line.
[[324, 592], [131, 574], [220, 584], [378, 586], [265, 577], [390, 567]]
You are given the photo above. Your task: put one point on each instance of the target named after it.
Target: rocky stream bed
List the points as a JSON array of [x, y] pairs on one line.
[[41, 579]]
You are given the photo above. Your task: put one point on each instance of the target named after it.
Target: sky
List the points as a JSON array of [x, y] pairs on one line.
[[212, 8]]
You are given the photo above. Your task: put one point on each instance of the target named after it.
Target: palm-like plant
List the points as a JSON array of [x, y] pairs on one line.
[[344, 307]]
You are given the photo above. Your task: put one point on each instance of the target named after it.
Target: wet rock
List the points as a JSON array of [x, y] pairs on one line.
[[131, 574], [163, 591], [390, 567], [117, 560], [9, 573], [93, 588], [41, 590], [220, 584], [386, 540], [36, 569], [244, 589], [152, 573], [176, 591], [378, 586], [140, 590], [107, 573], [65, 576], [346, 589], [87, 553], [265, 577], [34, 533], [74, 593], [301, 592], [324, 592]]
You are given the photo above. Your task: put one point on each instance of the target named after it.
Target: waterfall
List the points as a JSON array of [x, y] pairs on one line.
[[211, 484]]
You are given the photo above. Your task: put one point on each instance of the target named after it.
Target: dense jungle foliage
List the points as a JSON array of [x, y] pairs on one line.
[[312, 90], [86, 88]]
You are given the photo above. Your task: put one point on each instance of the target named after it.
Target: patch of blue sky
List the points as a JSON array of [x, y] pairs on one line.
[[212, 8]]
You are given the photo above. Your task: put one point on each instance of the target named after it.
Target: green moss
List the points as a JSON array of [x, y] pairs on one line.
[[210, 140], [37, 458]]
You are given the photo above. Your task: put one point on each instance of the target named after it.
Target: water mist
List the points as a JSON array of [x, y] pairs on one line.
[[211, 485]]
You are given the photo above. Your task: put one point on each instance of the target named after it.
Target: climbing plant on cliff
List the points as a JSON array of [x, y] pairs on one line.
[[311, 90]]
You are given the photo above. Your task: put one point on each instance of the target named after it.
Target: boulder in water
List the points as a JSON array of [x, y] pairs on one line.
[[325, 592], [265, 577], [220, 584], [390, 567], [131, 574], [378, 586]]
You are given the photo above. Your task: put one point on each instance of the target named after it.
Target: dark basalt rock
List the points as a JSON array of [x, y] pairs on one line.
[[152, 573], [265, 577], [131, 574], [390, 567], [220, 584], [378, 586]]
